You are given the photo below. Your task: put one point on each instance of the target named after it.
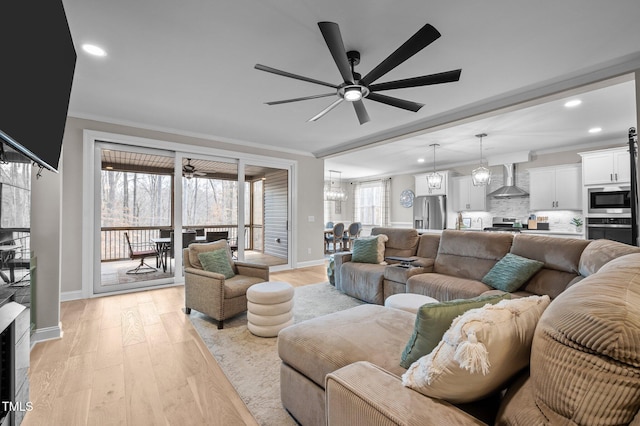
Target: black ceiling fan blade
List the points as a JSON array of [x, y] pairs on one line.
[[331, 33], [361, 111], [291, 75], [399, 103], [304, 98], [326, 110], [424, 37], [425, 80]]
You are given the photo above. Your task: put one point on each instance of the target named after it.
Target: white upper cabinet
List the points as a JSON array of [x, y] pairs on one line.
[[467, 197], [555, 188], [609, 166], [422, 186]]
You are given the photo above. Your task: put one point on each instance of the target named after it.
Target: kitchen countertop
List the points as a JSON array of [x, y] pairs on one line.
[[523, 231]]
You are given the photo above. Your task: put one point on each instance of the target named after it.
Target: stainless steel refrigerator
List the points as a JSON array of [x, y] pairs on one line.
[[430, 212]]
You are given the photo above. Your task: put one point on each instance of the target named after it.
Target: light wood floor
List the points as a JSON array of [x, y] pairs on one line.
[[135, 359]]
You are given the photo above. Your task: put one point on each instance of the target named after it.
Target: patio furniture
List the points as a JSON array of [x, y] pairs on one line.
[[143, 267], [269, 308], [335, 237], [213, 294], [217, 235]]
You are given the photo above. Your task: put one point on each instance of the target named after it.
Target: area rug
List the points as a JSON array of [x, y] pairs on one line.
[[251, 363]]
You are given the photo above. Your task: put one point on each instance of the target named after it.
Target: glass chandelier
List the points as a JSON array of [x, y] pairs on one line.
[[482, 175], [334, 193], [434, 179]]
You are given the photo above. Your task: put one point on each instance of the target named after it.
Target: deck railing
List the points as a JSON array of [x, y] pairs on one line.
[[113, 245]]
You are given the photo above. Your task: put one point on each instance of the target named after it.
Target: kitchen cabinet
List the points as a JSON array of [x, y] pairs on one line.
[[606, 167], [422, 186], [465, 196], [555, 188]]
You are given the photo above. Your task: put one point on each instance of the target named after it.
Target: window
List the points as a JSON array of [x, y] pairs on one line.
[[135, 199], [371, 203]]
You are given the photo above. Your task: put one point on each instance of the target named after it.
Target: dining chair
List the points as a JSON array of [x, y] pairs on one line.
[[143, 267], [352, 233], [335, 237]]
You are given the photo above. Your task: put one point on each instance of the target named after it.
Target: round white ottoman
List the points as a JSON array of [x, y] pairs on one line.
[[269, 308], [409, 302]]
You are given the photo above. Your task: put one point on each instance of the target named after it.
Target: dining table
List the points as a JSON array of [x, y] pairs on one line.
[[163, 247]]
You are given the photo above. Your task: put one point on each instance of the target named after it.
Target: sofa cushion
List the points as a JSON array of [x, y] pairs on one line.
[[599, 252], [468, 254], [480, 352], [585, 357], [428, 246], [433, 319], [196, 249], [445, 287], [363, 281], [402, 242], [216, 261], [369, 249], [365, 333], [511, 272], [561, 257]]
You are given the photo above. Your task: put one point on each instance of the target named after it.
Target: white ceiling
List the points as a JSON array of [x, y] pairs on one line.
[[187, 67]]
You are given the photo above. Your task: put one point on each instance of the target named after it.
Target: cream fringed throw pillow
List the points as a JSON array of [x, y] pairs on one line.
[[482, 349]]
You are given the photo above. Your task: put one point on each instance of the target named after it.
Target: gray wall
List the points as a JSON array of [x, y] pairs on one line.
[[57, 212], [45, 243]]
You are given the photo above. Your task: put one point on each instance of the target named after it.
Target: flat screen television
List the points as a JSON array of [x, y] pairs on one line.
[[37, 62]]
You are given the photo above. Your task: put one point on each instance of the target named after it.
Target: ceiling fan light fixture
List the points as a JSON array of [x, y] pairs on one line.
[[434, 179], [352, 94], [481, 176]]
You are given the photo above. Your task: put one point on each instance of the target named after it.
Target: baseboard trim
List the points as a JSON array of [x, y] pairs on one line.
[[71, 295], [317, 262], [47, 333]]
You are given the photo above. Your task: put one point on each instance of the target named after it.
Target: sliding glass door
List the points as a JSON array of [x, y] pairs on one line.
[[134, 200]]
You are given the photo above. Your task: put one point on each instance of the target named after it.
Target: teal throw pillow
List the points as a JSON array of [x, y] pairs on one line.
[[434, 319], [511, 272], [368, 249], [217, 261]]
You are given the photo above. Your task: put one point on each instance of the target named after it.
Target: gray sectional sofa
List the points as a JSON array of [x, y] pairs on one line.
[[451, 265], [344, 368]]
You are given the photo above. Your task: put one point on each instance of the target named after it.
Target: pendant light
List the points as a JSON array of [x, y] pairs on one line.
[[434, 179], [335, 193], [482, 175]]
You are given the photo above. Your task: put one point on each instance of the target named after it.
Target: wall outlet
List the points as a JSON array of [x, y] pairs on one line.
[[308, 251], [312, 218]]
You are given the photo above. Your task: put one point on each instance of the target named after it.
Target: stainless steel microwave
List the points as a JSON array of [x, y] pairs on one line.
[[614, 200]]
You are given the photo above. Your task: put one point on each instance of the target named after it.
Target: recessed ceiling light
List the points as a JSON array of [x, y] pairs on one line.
[[420, 160], [595, 129], [94, 50], [573, 103]]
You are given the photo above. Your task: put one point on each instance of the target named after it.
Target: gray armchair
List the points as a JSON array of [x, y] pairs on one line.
[[212, 294]]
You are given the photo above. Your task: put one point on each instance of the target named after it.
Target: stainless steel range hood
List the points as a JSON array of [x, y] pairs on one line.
[[509, 189]]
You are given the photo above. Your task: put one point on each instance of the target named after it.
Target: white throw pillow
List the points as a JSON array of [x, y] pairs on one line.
[[480, 352]]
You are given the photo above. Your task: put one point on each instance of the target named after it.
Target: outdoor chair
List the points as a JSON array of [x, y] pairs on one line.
[[210, 292], [335, 238], [143, 267], [217, 235]]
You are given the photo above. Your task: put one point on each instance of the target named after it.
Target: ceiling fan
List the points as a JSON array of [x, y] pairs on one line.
[[355, 88], [190, 171]]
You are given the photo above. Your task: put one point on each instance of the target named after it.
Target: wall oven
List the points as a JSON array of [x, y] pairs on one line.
[[611, 228], [610, 201]]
